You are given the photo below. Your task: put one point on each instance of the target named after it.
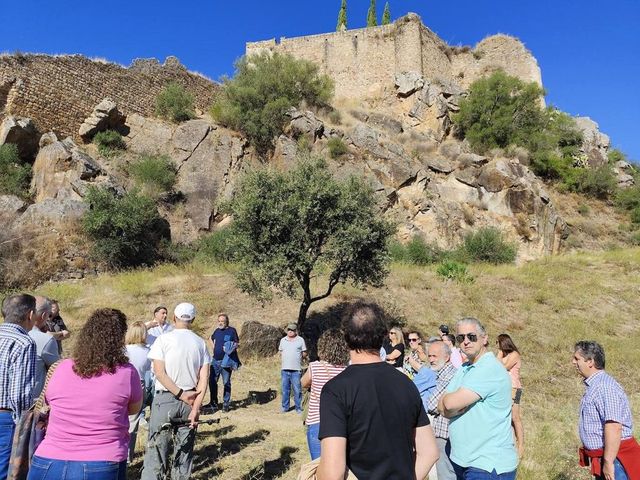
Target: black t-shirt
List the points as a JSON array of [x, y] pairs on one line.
[[390, 348], [376, 408]]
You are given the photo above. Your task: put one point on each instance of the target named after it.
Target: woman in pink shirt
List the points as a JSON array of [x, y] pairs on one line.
[[509, 355], [91, 396]]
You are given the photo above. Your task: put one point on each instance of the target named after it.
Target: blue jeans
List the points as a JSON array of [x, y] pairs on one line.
[[7, 428], [215, 371], [618, 471], [49, 469], [291, 379], [472, 473], [313, 441]]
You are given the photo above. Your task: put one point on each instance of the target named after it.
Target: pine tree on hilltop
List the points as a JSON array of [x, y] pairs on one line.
[[342, 17], [372, 17], [386, 16]]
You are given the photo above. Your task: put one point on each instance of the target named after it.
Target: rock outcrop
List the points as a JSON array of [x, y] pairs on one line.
[[21, 132], [105, 116]]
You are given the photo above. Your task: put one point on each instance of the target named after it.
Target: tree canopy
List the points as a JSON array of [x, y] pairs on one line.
[[372, 16], [295, 228], [386, 15]]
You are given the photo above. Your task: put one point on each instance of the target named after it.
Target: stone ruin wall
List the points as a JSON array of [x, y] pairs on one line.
[[59, 92], [363, 62]]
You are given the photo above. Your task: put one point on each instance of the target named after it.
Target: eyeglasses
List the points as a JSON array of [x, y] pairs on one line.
[[471, 336], [414, 339], [392, 333]]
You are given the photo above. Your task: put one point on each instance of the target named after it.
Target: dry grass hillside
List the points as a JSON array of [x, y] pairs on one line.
[[545, 305]]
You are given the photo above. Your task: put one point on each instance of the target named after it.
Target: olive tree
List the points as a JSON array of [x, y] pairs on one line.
[[300, 231]]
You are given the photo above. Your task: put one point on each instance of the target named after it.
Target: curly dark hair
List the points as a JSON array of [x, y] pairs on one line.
[[100, 343], [332, 347]]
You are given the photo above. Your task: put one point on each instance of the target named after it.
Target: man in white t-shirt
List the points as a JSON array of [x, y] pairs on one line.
[[292, 350], [181, 366], [159, 325]]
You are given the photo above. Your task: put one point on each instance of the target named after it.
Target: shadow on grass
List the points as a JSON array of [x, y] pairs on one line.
[[254, 398], [207, 452], [271, 469]]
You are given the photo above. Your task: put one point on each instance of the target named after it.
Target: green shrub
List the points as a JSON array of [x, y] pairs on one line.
[[265, 86], [583, 209], [451, 270], [335, 117], [155, 174], [615, 155], [109, 142], [635, 216], [397, 251], [174, 103], [337, 147], [419, 252], [126, 230], [216, 247], [594, 182], [15, 175], [628, 198], [500, 110], [488, 245]]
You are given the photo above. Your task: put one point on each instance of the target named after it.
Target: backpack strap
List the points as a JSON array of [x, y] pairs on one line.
[[40, 402]]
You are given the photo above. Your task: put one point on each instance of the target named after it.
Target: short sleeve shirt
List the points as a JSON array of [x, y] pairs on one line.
[[377, 409], [292, 352], [219, 337], [481, 437]]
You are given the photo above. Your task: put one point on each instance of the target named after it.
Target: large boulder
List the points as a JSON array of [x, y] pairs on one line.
[[105, 116], [304, 123], [407, 83], [259, 340], [53, 211], [21, 132], [10, 204], [63, 171], [595, 144]]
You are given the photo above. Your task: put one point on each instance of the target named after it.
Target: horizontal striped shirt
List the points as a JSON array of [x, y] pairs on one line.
[[17, 369], [321, 373], [604, 401]]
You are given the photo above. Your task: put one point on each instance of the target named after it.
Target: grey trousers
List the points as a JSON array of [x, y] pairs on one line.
[[443, 465], [168, 449]]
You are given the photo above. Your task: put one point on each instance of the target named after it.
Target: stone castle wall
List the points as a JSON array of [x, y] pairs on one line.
[[363, 62], [59, 92]]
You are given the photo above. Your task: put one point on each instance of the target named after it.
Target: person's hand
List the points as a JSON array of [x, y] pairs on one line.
[[189, 397], [193, 418], [65, 334], [608, 470]]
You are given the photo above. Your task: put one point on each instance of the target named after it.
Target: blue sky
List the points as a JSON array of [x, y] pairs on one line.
[[588, 50]]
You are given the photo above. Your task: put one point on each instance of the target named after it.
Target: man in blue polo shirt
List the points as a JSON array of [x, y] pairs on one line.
[[224, 344], [478, 404]]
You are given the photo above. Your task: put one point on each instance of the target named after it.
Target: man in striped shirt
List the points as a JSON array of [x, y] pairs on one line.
[[606, 426], [17, 368]]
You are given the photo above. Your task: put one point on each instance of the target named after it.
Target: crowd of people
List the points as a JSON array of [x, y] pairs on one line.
[[445, 407]]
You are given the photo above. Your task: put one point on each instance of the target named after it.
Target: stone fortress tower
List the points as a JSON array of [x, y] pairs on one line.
[[364, 62]]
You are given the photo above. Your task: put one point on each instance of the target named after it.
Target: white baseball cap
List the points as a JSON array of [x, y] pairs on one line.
[[185, 312]]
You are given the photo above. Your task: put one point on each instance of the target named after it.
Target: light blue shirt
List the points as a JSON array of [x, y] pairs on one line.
[[481, 437]]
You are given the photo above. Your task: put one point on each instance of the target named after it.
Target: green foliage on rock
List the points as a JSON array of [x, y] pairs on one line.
[[386, 15], [175, 104], [415, 252], [126, 230], [293, 229], [456, 271], [216, 247], [337, 147], [372, 16], [256, 99], [342, 16], [487, 245], [15, 175], [109, 142], [594, 182], [154, 174]]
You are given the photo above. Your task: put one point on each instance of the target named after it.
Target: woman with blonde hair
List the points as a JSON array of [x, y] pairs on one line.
[[333, 355], [509, 355], [90, 396], [395, 348], [137, 351]]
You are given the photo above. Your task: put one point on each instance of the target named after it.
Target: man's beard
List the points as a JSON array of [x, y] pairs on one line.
[[438, 366]]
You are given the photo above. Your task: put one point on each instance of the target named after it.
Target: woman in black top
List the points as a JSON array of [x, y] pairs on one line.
[[395, 352]]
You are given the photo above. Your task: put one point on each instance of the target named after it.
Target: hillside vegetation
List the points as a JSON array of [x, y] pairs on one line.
[[545, 305]]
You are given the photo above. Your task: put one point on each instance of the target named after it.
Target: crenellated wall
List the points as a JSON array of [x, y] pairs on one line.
[[59, 92]]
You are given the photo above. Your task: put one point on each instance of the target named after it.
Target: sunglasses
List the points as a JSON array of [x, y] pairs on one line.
[[414, 339], [471, 336], [392, 333]]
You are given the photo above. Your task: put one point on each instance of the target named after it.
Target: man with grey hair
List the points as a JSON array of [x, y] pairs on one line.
[[181, 366], [47, 352], [439, 356], [606, 425], [17, 368], [478, 404]]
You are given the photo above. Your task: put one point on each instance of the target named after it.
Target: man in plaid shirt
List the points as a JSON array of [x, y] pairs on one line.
[[17, 368], [605, 425], [439, 355]]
